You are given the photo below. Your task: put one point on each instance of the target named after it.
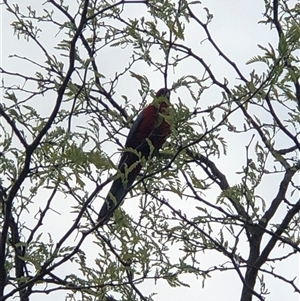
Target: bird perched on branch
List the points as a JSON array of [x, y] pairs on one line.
[[147, 134]]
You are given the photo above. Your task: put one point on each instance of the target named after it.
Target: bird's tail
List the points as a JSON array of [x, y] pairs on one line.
[[115, 197]]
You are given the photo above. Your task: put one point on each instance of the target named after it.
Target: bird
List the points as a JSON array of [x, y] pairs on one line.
[[147, 135]]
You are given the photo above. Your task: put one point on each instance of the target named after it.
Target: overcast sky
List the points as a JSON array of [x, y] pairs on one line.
[[236, 30]]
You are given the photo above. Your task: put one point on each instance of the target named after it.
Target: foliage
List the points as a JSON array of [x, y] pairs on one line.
[[66, 112]]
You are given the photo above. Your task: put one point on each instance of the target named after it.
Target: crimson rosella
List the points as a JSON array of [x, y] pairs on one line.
[[147, 134]]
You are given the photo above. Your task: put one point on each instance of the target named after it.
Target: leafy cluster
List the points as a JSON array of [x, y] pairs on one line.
[[65, 114]]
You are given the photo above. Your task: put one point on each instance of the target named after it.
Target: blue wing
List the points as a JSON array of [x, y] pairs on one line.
[[131, 139]]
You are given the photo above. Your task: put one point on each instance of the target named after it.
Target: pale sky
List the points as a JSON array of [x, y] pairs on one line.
[[236, 30]]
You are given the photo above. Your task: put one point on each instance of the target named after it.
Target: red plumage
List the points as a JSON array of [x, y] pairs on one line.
[[150, 124]]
